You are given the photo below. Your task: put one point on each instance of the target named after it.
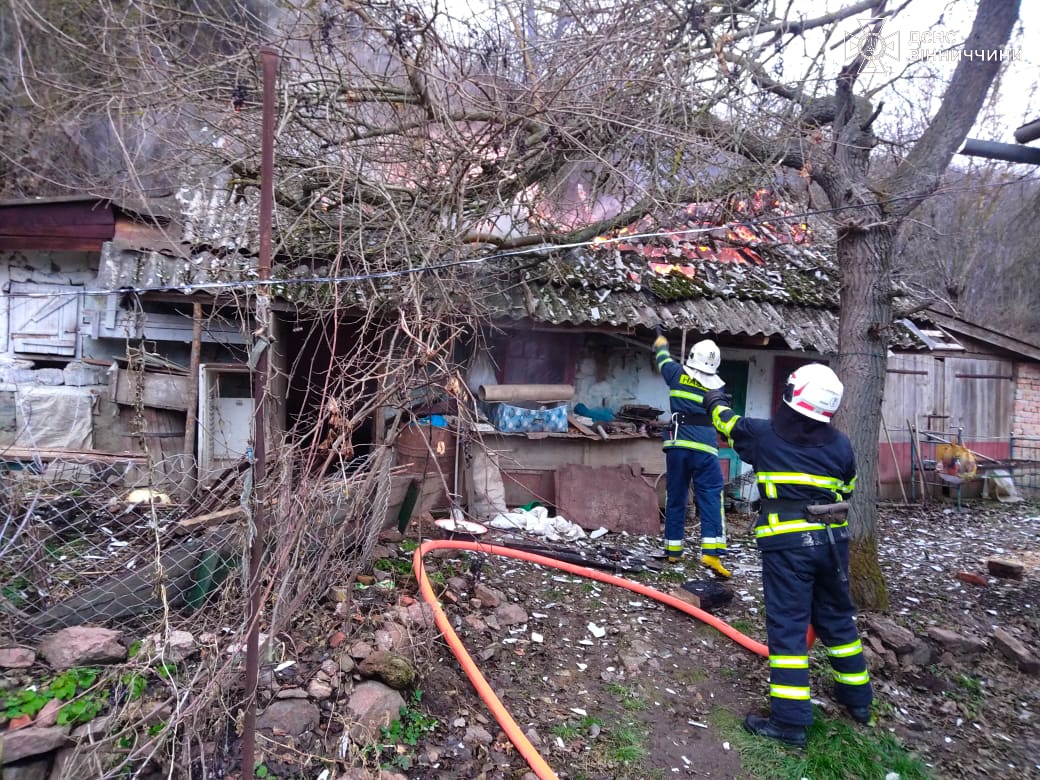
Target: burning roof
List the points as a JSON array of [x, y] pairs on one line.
[[748, 266]]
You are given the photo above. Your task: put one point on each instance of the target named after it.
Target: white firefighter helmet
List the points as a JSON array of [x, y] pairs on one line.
[[702, 364], [815, 391]]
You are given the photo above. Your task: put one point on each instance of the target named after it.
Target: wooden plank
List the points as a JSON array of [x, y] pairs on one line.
[[160, 391], [573, 420], [74, 456], [209, 519]]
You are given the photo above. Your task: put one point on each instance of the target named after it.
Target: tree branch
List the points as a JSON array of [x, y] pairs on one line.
[[917, 175]]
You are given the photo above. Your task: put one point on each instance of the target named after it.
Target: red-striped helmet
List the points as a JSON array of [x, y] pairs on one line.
[[815, 391]]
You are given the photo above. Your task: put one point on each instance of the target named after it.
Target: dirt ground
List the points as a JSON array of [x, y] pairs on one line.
[[608, 683]]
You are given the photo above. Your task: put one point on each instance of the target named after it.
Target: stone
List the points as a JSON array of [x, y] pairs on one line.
[[339, 593], [319, 689], [179, 646], [478, 735], [48, 716], [1014, 650], [489, 597], [392, 637], [33, 769], [510, 615], [360, 650], [82, 646], [951, 640], [893, 636], [52, 377], [372, 705], [1005, 568], [921, 655], [419, 615], [345, 663], [458, 584], [79, 374], [291, 693], [16, 657], [31, 741], [289, 716], [394, 670]]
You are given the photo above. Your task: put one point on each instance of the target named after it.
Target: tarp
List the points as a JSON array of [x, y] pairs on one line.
[[54, 418]]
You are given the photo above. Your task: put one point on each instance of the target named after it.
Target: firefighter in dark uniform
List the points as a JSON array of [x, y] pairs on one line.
[[805, 469], [691, 452]]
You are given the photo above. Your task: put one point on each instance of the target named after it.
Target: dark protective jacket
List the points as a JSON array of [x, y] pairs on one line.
[[694, 430], [797, 461]]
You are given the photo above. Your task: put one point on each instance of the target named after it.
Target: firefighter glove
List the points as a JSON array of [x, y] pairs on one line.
[[714, 398], [660, 341]]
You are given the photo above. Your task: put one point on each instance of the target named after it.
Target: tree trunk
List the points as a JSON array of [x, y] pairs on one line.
[[866, 315]]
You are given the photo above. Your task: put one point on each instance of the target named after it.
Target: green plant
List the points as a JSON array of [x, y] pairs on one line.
[[837, 750], [691, 676], [72, 686], [134, 683], [409, 545], [625, 744], [402, 566], [261, 771], [629, 698], [408, 729]]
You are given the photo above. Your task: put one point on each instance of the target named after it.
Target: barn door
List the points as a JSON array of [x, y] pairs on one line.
[[44, 318]]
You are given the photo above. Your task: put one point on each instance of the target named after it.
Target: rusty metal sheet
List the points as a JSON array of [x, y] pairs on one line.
[[617, 498]]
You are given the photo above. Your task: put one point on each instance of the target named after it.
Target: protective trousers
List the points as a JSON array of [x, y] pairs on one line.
[[703, 468], [801, 586]]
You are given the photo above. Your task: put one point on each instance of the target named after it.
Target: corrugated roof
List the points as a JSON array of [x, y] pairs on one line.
[[741, 268]]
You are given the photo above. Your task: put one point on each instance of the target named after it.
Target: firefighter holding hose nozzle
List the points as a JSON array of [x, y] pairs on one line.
[[805, 470]]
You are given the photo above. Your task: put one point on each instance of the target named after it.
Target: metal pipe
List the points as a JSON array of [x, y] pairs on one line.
[[1028, 132], [993, 150], [269, 64]]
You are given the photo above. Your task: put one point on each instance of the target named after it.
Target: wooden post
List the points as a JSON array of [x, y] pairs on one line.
[[191, 421]]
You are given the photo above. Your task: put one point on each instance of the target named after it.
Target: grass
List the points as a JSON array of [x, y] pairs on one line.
[[969, 692], [628, 697], [624, 747], [836, 751]]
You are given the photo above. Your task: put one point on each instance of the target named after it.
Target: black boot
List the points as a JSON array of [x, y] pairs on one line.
[[765, 727], [859, 714]]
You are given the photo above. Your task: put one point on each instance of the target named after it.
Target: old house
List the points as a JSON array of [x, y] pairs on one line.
[[746, 273]]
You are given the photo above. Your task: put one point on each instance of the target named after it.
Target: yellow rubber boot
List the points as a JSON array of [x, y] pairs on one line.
[[715, 565]]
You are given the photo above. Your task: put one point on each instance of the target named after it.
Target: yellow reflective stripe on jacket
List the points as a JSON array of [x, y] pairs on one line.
[[697, 398], [725, 428], [799, 478], [789, 661], [770, 479], [796, 692], [844, 651], [663, 356], [691, 445], [776, 527], [854, 678]]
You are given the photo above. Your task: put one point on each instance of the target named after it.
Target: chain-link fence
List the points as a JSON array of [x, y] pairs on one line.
[[169, 575]]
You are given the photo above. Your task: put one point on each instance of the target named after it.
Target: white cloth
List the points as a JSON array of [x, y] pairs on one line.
[[537, 521]]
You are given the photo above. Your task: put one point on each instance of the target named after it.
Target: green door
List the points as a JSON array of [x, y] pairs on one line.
[[735, 375]]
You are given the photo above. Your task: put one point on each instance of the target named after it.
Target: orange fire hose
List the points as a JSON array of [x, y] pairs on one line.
[[505, 720]]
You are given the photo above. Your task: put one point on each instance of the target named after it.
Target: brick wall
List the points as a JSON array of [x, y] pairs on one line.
[[1026, 421]]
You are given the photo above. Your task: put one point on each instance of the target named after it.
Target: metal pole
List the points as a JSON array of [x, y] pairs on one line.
[[269, 63]]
